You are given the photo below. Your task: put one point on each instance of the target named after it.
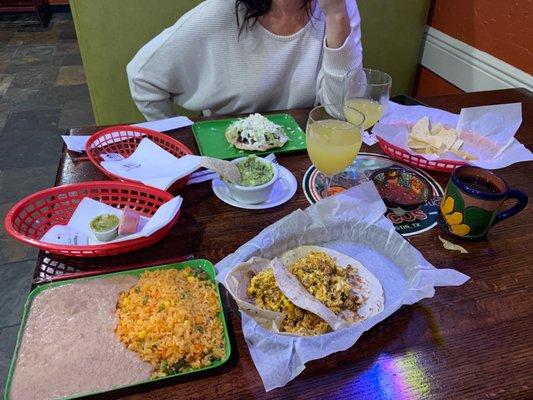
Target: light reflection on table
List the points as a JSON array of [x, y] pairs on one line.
[[393, 378]]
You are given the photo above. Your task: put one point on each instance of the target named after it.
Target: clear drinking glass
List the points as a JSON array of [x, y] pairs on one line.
[[367, 91], [333, 140]]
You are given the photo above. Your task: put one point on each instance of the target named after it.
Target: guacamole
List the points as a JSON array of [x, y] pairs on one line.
[[254, 172], [104, 222]]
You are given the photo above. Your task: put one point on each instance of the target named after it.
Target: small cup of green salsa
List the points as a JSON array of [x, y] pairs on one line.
[[105, 227], [258, 178]]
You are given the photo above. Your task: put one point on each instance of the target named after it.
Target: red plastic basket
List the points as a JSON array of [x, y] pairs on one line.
[[124, 140], [33, 216], [401, 154]]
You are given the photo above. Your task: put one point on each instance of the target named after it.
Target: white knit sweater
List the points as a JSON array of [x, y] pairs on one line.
[[202, 64]]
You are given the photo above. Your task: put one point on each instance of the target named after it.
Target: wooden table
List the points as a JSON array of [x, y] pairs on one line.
[[469, 342]]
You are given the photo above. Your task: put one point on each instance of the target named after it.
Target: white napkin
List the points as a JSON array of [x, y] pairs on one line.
[[166, 124], [78, 232], [75, 143], [369, 138], [153, 166], [488, 132]]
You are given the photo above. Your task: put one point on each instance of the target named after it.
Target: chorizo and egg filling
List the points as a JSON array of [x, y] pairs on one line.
[[324, 279]]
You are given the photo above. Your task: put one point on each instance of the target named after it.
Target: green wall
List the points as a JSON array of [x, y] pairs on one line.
[[392, 32]]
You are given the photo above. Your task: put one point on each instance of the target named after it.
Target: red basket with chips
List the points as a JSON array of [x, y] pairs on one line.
[[403, 155], [29, 219], [124, 140]]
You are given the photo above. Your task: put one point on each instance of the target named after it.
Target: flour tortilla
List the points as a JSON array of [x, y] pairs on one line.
[[367, 285], [237, 282], [298, 295]]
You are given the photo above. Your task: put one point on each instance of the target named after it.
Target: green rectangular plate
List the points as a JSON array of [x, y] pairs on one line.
[[212, 142], [203, 264]]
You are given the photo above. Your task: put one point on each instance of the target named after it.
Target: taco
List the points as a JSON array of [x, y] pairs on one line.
[[309, 290], [255, 132]]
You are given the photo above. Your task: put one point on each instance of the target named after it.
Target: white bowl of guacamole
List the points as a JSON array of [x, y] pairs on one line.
[[105, 227], [258, 179]]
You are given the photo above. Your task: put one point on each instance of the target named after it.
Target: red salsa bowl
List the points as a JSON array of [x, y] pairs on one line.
[[399, 187]]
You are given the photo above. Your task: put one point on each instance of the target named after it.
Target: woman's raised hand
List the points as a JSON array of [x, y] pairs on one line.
[[332, 8], [337, 22]]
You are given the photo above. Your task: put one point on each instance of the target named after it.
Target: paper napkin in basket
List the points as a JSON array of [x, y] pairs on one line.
[[153, 166], [351, 222], [488, 132], [78, 232]]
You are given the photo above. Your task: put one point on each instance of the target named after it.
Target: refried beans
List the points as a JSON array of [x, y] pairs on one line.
[[69, 344]]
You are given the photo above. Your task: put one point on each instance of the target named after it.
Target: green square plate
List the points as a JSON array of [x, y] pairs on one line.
[[212, 142], [203, 264]]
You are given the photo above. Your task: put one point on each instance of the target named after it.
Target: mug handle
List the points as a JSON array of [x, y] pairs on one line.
[[521, 197]]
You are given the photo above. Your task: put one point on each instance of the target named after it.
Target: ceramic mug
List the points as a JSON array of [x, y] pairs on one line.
[[472, 202]]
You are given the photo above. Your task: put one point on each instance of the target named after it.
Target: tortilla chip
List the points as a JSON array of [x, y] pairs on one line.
[[225, 169], [415, 143], [448, 137], [436, 129], [465, 155], [436, 141], [456, 145], [421, 128], [451, 246], [433, 141]]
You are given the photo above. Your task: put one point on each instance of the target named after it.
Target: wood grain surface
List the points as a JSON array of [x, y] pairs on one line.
[[468, 342]]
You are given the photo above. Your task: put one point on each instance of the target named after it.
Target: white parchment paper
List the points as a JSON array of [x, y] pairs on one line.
[[488, 132], [351, 222]]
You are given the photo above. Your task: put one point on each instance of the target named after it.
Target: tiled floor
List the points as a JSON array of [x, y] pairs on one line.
[[42, 91]]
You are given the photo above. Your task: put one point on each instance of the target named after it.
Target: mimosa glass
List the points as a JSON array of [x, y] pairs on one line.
[[367, 91], [333, 142]]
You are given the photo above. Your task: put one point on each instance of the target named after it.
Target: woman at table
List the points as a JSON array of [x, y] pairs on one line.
[[242, 56]]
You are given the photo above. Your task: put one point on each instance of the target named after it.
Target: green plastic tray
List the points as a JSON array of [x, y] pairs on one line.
[[211, 141], [203, 264]]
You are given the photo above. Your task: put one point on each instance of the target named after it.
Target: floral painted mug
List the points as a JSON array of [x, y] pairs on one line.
[[472, 202]]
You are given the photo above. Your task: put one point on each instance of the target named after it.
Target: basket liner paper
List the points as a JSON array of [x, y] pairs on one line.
[[488, 132], [351, 222]]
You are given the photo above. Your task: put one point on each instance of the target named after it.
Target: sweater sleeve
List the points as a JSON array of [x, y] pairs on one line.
[[152, 99], [337, 62], [152, 94], [162, 72]]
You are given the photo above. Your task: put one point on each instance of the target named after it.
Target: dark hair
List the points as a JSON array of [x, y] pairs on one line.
[[253, 9]]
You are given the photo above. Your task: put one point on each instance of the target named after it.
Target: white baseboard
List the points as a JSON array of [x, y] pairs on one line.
[[468, 68]]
